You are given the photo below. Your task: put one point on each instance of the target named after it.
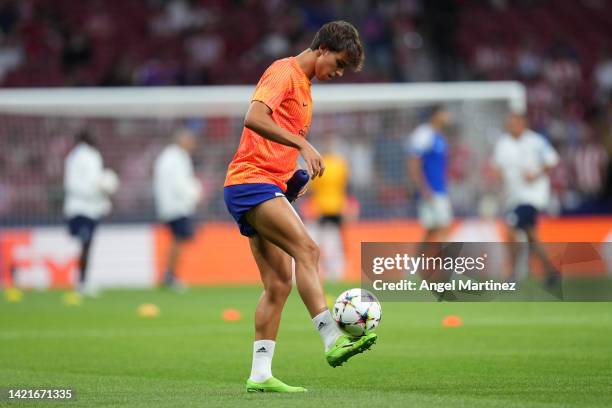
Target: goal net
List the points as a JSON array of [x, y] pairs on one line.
[[368, 124]]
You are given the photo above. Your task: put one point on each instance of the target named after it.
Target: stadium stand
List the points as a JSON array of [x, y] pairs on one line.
[[51, 43]]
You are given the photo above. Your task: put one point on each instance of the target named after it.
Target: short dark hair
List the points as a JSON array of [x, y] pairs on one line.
[[433, 110], [84, 136], [338, 36]]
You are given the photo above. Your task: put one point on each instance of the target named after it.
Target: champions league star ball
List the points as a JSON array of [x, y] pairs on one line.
[[357, 312]]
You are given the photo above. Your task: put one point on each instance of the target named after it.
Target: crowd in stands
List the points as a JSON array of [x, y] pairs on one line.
[[561, 52]]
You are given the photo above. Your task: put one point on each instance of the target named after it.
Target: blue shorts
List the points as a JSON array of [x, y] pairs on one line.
[[82, 227], [240, 198], [523, 217], [182, 228]]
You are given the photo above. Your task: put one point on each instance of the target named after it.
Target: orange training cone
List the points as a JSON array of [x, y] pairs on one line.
[[231, 315], [452, 321]]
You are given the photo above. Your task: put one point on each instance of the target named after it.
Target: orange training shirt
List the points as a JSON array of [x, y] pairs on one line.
[[285, 89]]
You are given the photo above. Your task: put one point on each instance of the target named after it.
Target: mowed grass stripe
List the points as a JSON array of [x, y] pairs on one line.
[[505, 354]]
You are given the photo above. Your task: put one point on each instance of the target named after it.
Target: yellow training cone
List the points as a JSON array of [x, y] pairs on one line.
[[148, 310], [13, 295]]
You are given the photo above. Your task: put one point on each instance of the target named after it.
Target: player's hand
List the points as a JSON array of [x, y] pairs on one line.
[[302, 191], [109, 182], [313, 160], [426, 194]]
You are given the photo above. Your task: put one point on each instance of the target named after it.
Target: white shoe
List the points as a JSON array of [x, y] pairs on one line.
[[178, 286], [173, 283], [89, 291]]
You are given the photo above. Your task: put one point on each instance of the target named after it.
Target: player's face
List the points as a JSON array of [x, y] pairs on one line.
[[443, 118], [330, 64], [516, 124], [188, 142]]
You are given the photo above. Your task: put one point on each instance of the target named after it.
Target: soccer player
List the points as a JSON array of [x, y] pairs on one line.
[[88, 187], [524, 159], [177, 193], [428, 152], [329, 198], [274, 135]]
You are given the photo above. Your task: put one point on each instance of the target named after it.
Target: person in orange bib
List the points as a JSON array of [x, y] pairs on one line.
[[274, 135]]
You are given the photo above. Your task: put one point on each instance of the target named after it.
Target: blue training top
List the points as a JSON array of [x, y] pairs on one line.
[[430, 145]]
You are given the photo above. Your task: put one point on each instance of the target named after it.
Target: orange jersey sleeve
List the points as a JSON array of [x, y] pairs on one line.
[[285, 89]]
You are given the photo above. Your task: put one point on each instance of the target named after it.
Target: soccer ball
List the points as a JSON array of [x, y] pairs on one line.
[[357, 312]]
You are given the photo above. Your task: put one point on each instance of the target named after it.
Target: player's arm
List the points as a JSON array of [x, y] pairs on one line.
[[534, 175], [259, 120], [495, 172], [549, 160], [415, 169], [416, 146], [177, 172], [496, 163]]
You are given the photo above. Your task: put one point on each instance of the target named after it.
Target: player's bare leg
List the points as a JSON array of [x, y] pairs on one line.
[[552, 274], [275, 269], [438, 234], [428, 236], [83, 261], [276, 221], [513, 253], [428, 247], [274, 266], [84, 287], [173, 254]]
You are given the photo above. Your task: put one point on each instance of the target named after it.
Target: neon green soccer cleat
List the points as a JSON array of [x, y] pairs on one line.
[[346, 347], [271, 385]]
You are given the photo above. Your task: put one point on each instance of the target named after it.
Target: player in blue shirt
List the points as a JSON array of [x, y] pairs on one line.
[[428, 154]]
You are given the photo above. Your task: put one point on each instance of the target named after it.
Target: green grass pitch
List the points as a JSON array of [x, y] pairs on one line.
[[505, 355]]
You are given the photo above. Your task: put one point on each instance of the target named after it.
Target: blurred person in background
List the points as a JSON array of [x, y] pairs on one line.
[[428, 152], [523, 159], [88, 187], [177, 193], [329, 198], [427, 148]]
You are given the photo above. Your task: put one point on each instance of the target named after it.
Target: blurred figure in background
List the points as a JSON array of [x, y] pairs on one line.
[[524, 159], [88, 187], [329, 198], [428, 155], [177, 193], [428, 151]]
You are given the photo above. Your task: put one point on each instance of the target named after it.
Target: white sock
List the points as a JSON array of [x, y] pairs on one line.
[[263, 351], [327, 327]]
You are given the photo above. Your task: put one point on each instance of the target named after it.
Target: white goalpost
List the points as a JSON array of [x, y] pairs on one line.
[[370, 121], [232, 100]]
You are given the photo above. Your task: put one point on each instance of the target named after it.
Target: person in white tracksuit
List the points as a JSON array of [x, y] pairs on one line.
[[88, 187], [523, 160], [177, 193]]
